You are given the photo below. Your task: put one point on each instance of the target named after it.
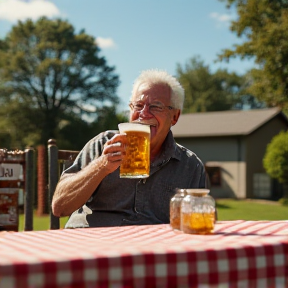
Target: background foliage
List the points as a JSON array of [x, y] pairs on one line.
[[276, 158], [54, 76], [263, 25], [207, 91]]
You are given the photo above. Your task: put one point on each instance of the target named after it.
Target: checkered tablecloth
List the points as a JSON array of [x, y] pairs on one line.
[[239, 254]]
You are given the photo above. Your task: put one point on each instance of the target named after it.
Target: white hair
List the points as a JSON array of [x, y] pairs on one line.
[[155, 76]]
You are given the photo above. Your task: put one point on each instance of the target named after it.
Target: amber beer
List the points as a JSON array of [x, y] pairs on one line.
[[136, 163], [198, 223]]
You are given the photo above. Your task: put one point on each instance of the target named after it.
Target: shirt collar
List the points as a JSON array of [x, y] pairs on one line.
[[170, 150]]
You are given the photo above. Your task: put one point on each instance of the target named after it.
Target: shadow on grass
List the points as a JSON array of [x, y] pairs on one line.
[[222, 206]]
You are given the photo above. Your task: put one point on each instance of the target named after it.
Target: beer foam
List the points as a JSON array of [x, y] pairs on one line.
[[133, 126], [150, 122]]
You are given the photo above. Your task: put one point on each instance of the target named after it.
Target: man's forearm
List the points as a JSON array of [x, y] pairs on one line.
[[73, 190]]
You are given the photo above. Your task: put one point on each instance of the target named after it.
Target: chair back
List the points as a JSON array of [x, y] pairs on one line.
[[58, 160]]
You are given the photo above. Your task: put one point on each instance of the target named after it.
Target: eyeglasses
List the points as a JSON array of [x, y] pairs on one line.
[[153, 108]]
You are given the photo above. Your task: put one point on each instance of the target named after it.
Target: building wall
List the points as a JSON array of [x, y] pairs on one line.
[[233, 180], [229, 154], [215, 148], [256, 148]]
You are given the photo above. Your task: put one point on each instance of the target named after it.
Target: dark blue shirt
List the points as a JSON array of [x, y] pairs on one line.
[[118, 201]]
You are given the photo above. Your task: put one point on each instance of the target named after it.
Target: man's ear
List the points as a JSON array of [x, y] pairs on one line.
[[175, 117]]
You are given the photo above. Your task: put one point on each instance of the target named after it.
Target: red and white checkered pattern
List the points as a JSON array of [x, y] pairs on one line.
[[238, 254]]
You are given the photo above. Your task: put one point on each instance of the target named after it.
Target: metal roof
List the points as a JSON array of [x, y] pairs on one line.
[[223, 123]]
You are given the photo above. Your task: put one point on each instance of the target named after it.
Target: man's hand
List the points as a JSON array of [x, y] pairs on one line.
[[114, 151]]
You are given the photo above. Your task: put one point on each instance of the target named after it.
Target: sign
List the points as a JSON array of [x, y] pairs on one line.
[[9, 209], [11, 171]]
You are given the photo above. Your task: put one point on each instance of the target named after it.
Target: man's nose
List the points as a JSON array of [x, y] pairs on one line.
[[146, 111]]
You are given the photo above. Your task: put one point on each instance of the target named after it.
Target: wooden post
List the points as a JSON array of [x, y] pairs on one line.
[[42, 181], [52, 179], [29, 188]]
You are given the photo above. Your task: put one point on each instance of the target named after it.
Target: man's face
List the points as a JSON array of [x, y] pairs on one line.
[[151, 97]]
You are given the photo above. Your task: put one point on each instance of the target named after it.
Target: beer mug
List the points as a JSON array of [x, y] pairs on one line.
[[136, 163]]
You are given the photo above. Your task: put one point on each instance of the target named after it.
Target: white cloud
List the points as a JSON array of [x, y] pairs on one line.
[[13, 10], [222, 18], [105, 42]]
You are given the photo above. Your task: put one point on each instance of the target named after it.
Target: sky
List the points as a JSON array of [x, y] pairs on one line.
[[135, 35]]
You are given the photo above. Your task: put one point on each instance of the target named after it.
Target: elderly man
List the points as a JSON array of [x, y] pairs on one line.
[[92, 188]]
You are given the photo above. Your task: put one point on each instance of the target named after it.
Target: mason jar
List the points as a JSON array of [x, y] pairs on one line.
[[175, 205], [197, 212]]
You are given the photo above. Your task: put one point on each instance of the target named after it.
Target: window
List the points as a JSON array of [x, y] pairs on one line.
[[214, 174], [261, 185]]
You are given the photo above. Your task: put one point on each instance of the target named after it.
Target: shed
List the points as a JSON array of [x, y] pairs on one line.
[[232, 145]]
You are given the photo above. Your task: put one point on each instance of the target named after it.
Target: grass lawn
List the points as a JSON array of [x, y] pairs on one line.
[[228, 209], [40, 223]]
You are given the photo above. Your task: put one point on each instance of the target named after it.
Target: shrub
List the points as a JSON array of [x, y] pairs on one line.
[[283, 201], [276, 157]]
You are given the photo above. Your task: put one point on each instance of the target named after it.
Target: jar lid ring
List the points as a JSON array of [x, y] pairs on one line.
[[198, 192]]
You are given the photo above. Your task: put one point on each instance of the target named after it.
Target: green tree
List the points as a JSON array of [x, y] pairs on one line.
[[20, 124], [54, 72], [207, 91], [275, 160], [107, 119], [264, 27]]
